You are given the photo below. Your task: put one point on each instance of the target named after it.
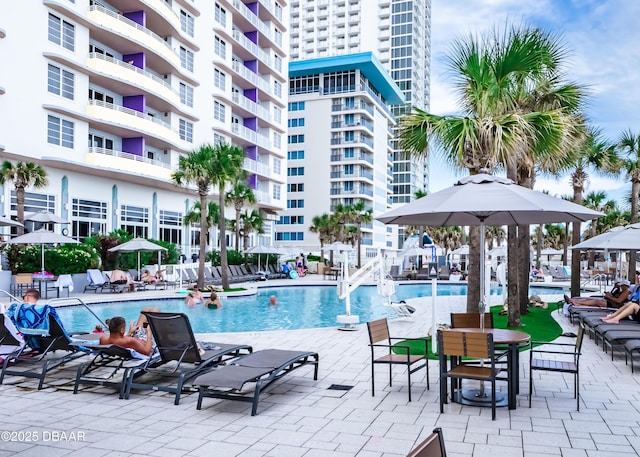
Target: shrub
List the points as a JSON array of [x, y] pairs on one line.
[[65, 259]]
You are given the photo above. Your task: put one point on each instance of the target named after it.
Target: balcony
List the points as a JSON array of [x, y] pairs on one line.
[[352, 192], [255, 167], [251, 108], [135, 121], [117, 69], [255, 21], [361, 174], [131, 163], [361, 123], [356, 157], [119, 24]]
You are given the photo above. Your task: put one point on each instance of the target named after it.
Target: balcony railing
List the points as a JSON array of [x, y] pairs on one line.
[[126, 155], [362, 156], [132, 112]]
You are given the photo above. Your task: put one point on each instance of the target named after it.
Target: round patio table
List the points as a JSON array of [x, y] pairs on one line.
[[513, 340]]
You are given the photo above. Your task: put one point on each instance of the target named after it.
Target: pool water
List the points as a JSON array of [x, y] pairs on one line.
[[298, 307]]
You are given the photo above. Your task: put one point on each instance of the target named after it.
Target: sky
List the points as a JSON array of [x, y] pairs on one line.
[[603, 42]]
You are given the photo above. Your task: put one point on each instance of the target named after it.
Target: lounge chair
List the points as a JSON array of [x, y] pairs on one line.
[[261, 367], [444, 273], [11, 341], [401, 309], [111, 366], [96, 280], [181, 358], [44, 334]]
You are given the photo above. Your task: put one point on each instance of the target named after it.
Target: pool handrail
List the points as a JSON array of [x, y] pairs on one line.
[[76, 299], [12, 297]]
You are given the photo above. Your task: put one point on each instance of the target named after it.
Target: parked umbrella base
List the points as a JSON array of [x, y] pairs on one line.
[[349, 321], [473, 397]]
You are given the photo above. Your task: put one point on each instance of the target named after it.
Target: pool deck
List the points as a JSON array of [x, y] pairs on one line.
[[298, 416]]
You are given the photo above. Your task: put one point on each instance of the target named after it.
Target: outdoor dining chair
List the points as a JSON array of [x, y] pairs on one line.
[[432, 446], [381, 344]]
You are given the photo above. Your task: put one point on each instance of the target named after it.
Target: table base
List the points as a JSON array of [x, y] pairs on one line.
[[472, 397]]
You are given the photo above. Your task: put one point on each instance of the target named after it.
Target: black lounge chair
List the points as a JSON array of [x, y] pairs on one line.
[[181, 357], [110, 367], [262, 367], [45, 349]]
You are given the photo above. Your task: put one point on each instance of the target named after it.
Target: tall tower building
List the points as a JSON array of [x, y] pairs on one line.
[[340, 127], [108, 95], [398, 32]]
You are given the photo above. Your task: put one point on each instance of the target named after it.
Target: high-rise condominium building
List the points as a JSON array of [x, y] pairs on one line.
[[398, 32], [108, 95], [340, 127]]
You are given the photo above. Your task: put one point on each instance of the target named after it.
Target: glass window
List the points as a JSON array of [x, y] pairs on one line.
[[60, 82], [60, 132], [220, 15], [186, 59], [186, 95], [220, 47], [219, 79], [61, 32], [219, 111], [186, 130], [186, 23], [276, 191]]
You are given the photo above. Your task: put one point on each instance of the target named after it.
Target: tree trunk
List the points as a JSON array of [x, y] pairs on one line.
[[20, 208], [635, 189], [359, 246], [575, 260], [539, 247], [224, 263], [473, 289], [203, 239], [238, 229], [523, 265], [565, 254], [512, 277]]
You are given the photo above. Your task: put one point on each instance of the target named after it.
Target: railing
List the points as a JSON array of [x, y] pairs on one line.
[[254, 78], [362, 156], [132, 112], [127, 155]]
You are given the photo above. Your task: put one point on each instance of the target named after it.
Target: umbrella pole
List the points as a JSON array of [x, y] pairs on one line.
[[42, 262]]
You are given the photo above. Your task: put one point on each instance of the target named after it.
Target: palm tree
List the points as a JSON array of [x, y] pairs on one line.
[[629, 146], [252, 221], [204, 167], [323, 226], [240, 194], [492, 129], [596, 201], [193, 216], [361, 215], [23, 175]]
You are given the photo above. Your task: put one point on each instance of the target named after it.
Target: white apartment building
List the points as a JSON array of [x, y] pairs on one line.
[[107, 95], [398, 32], [339, 150]]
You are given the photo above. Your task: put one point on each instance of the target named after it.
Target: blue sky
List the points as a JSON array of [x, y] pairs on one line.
[[603, 42]]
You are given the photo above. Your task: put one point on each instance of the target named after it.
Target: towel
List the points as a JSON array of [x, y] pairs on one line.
[[95, 277], [64, 281], [33, 321]]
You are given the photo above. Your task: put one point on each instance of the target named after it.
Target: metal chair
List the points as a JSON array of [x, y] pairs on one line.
[[454, 345], [563, 362], [432, 446], [379, 338]]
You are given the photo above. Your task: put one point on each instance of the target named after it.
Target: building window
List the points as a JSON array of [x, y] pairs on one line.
[[170, 225], [298, 187], [186, 95], [295, 203], [295, 155], [277, 164], [135, 220], [276, 191], [277, 114], [295, 171], [289, 236], [296, 106], [219, 111], [61, 32], [186, 23], [60, 132], [88, 218], [186, 130], [220, 15], [60, 82], [96, 141], [277, 62], [219, 80], [348, 153], [277, 140], [186, 59], [295, 139], [220, 47], [296, 122], [277, 89]]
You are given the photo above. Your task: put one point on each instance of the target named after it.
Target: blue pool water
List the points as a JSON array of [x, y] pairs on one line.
[[298, 307]]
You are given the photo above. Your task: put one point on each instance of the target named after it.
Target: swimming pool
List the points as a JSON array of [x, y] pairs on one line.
[[298, 307]]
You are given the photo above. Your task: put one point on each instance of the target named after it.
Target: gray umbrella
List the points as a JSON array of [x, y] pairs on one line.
[[263, 250], [45, 217], [6, 222], [138, 245], [487, 200], [42, 237], [620, 238]]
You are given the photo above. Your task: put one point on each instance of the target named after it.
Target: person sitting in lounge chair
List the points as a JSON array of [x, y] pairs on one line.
[[117, 327], [194, 297], [139, 329], [31, 296], [119, 277], [613, 299], [148, 278]]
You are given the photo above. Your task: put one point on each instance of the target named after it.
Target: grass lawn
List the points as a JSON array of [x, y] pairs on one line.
[[538, 323]]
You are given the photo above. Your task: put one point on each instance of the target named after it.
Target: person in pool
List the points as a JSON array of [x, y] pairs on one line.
[[213, 302], [194, 297]]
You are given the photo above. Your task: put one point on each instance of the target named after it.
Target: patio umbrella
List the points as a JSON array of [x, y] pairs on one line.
[[264, 250], [625, 238], [45, 217], [416, 252], [481, 200], [42, 237], [6, 222], [138, 245]]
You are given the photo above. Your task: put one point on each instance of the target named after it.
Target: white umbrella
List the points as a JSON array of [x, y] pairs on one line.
[[500, 251], [620, 238], [138, 245], [42, 237], [416, 252], [263, 250], [6, 222], [487, 200], [462, 250], [45, 217]]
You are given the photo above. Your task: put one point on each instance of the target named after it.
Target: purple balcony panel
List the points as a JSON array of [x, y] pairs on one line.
[[253, 36], [139, 17], [251, 123], [134, 102], [251, 94], [137, 60], [252, 181], [252, 7], [251, 65], [251, 152], [133, 146]]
